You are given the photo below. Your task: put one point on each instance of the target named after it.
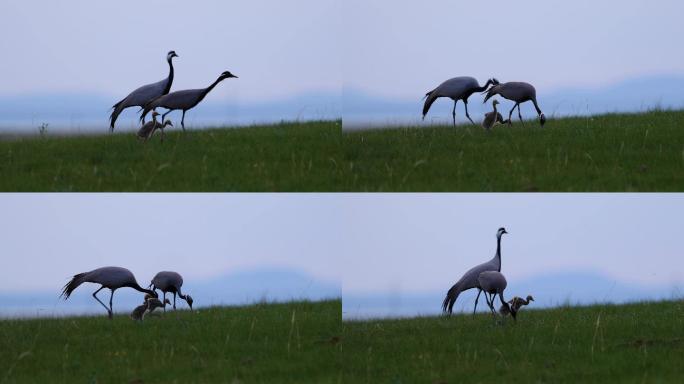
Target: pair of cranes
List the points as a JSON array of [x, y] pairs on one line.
[[156, 95], [487, 278], [114, 278], [461, 88]]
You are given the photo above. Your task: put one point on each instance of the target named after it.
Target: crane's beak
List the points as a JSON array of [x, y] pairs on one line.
[[233, 76]]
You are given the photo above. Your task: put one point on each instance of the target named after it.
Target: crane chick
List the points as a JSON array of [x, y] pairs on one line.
[[515, 304], [146, 131], [493, 118]]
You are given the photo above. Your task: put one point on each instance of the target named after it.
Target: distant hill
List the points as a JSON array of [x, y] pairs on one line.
[[242, 287], [549, 291], [634, 95], [91, 111]]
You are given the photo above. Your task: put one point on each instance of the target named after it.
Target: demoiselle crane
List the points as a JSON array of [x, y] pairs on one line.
[[168, 281], [144, 94], [457, 88], [108, 277], [183, 100], [469, 279], [519, 92]]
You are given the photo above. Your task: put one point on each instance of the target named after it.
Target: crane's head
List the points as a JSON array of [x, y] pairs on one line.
[[171, 55], [495, 102], [227, 75], [155, 114], [168, 122], [542, 119], [530, 298], [189, 300], [167, 302], [501, 231], [494, 81]]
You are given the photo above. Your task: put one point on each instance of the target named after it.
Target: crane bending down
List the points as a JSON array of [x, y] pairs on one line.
[[167, 281], [494, 283], [457, 88], [144, 94], [469, 279], [183, 100], [108, 277], [519, 92]]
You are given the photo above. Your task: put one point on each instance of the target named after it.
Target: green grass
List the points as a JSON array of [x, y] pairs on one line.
[[295, 342], [617, 152], [285, 157], [632, 343]]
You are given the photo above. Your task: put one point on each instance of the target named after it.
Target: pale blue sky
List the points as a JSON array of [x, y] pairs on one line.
[[403, 49], [276, 48], [415, 243], [47, 238]]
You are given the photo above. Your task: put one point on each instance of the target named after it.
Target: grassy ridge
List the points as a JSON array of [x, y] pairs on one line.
[[266, 343], [618, 152], [629, 344], [285, 157]]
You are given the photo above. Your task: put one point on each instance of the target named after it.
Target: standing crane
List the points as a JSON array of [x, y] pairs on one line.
[[519, 92], [469, 279], [457, 88], [167, 281], [144, 94], [108, 277], [494, 283], [183, 100]]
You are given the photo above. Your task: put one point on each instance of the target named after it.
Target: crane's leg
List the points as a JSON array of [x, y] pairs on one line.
[[164, 115], [467, 115], [453, 112], [505, 304], [476, 299], [111, 297], [511, 114], [100, 301], [520, 116], [164, 301], [174, 301], [183, 124]]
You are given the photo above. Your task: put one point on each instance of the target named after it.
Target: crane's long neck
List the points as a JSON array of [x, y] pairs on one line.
[[534, 101], [141, 289], [170, 78], [484, 87], [497, 257], [209, 88], [495, 118]]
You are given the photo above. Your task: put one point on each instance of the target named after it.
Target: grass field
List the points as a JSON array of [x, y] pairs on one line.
[[632, 343], [285, 157], [618, 152], [294, 342]]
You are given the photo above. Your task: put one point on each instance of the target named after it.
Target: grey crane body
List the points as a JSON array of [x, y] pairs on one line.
[[470, 278], [494, 283], [183, 100], [143, 95], [108, 277], [457, 88], [170, 282], [519, 92]]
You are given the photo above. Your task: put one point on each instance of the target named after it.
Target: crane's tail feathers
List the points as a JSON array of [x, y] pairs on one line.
[[430, 98], [115, 115], [72, 285], [450, 299]]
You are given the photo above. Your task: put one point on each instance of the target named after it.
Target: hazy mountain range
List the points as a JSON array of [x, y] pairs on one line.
[[634, 95], [90, 112], [570, 288], [241, 287]]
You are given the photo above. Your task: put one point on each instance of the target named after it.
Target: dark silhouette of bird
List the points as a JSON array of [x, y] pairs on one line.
[[183, 100], [168, 281], [457, 88], [108, 277], [144, 94], [520, 93]]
